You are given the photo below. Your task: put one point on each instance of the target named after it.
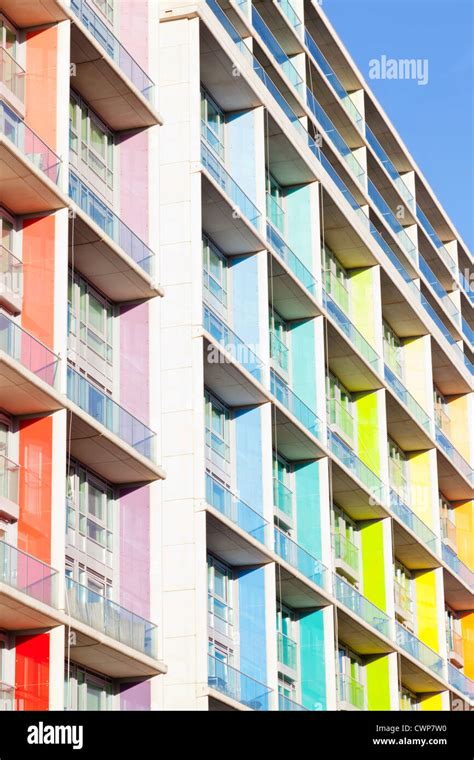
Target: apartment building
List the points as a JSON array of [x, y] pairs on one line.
[[236, 372]]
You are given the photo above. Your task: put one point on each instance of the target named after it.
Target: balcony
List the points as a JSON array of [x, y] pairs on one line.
[[357, 369], [12, 80], [28, 372], [220, 616], [106, 437], [225, 354], [293, 287], [111, 622], [11, 281], [9, 471], [460, 682], [417, 680], [416, 547], [106, 75], [351, 693], [293, 441], [299, 566], [346, 557], [358, 637], [225, 680], [29, 169], [458, 581], [403, 604], [278, 352], [229, 217], [407, 421], [348, 494], [283, 502], [275, 214], [28, 591], [7, 697], [237, 533], [285, 704], [456, 476], [455, 648], [106, 250], [287, 652], [28, 13]]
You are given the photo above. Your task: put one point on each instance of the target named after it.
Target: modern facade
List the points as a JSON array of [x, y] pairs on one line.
[[237, 361]]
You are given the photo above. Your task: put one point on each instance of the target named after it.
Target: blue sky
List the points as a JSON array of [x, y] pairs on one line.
[[436, 121]]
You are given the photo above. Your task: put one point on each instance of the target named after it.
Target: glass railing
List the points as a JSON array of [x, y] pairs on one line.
[[460, 682], [413, 646], [389, 167], [212, 139], [430, 232], [11, 273], [333, 80], [457, 566], [220, 615], [7, 697], [407, 399], [467, 331], [243, 205], [299, 558], [278, 351], [12, 75], [432, 280], [111, 224], [9, 474], [292, 261], [236, 685], [28, 142], [412, 521], [339, 416], [236, 510], [218, 445], [454, 456], [286, 649], [285, 704], [403, 601], [28, 351], [316, 150], [393, 358], [448, 530], [455, 643], [231, 343], [351, 331], [361, 606], [387, 213], [290, 14], [110, 618], [114, 48], [351, 691], [349, 459], [442, 419], [275, 213], [111, 415], [295, 406], [28, 575], [346, 550], [282, 498]]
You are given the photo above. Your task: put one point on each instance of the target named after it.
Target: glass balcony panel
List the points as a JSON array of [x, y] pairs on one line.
[[28, 574], [231, 343], [12, 75], [28, 142], [407, 399], [295, 265], [287, 649], [236, 510], [350, 460], [110, 618], [295, 406], [236, 685], [278, 351], [459, 681], [351, 691], [413, 646], [24, 348], [299, 558], [361, 606], [346, 551], [282, 498], [349, 329], [285, 704], [341, 418], [412, 521]]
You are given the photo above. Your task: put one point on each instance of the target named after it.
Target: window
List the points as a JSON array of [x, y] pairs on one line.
[[212, 124], [335, 277], [8, 38], [403, 586], [398, 470], [214, 272], [442, 418], [351, 678], [220, 597], [90, 507], [94, 315], [392, 350], [408, 700], [86, 691], [287, 631], [278, 340], [6, 228], [454, 637], [217, 427], [340, 408], [282, 493], [106, 7], [91, 141], [275, 203]]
